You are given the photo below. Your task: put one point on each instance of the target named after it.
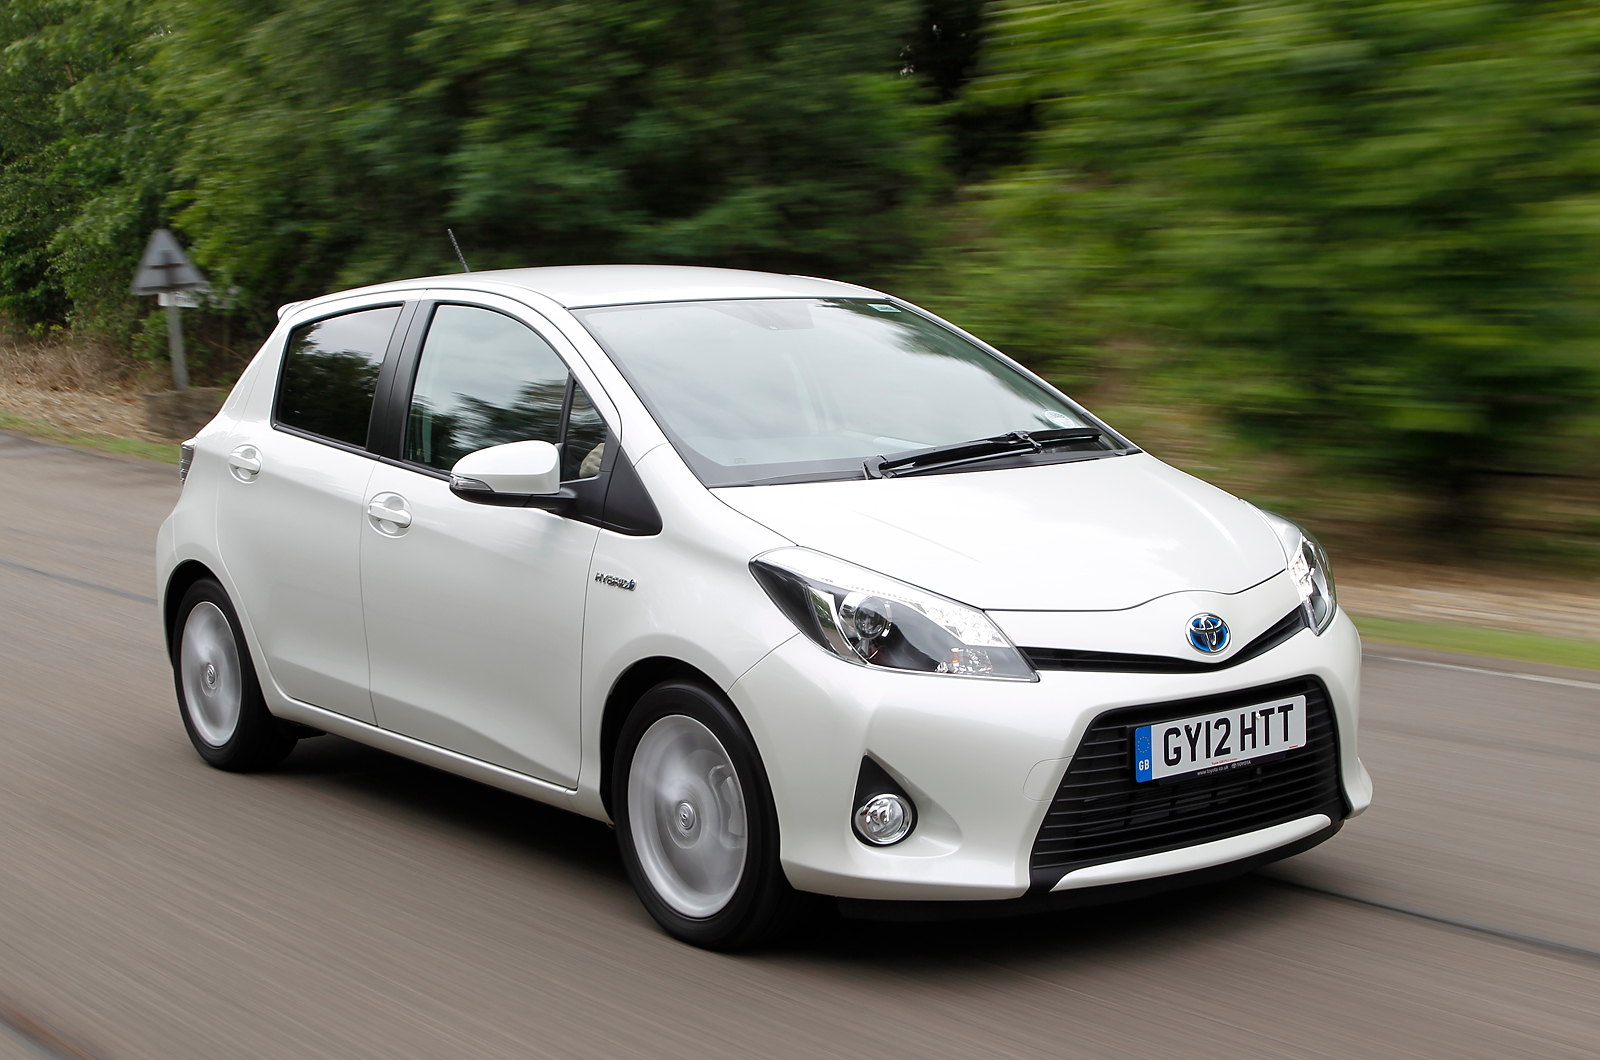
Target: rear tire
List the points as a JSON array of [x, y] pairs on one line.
[[696, 822], [219, 696]]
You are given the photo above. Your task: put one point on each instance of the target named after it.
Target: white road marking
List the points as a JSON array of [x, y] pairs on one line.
[[1492, 673], [1569, 949]]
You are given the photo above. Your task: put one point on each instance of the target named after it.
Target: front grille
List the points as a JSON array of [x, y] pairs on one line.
[[1100, 813], [1120, 662]]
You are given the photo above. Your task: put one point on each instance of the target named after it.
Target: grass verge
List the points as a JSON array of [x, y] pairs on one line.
[[1480, 640], [166, 452]]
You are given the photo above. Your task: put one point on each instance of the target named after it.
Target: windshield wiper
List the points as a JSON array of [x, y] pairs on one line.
[[941, 457]]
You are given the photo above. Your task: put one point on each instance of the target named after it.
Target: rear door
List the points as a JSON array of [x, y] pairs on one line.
[[474, 613], [289, 518]]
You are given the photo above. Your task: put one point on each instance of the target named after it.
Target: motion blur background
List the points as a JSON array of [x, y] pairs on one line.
[[1340, 256]]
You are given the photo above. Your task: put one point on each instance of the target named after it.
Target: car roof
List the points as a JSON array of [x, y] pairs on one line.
[[585, 286], [578, 286]]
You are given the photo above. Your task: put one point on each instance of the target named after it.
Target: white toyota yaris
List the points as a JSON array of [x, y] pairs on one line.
[[803, 588]]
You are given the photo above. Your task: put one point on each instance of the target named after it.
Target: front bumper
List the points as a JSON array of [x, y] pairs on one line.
[[1075, 898], [981, 759]]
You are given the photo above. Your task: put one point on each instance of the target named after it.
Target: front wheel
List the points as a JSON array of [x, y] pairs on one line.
[[218, 695], [695, 820]]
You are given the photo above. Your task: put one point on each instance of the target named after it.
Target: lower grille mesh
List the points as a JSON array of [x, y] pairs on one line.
[[1100, 813]]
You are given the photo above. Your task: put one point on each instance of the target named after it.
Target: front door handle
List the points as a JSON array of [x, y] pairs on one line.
[[245, 463], [389, 508]]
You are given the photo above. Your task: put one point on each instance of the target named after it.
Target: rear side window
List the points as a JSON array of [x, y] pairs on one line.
[[330, 372], [485, 379]]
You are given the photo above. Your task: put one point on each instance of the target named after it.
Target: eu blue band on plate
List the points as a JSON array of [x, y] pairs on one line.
[[1141, 753]]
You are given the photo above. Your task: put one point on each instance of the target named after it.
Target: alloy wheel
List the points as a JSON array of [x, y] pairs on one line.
[[686, 810], [208, 665]]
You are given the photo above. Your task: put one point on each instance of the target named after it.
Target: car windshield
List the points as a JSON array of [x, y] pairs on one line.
[[797, 389]]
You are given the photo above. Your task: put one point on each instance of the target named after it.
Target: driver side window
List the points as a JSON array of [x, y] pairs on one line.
[[485, 379]]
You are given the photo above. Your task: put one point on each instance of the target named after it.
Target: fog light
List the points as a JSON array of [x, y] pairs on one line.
[[884, 819]]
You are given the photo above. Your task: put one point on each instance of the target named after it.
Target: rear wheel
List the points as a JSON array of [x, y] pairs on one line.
[[219, 697], [695, 820]]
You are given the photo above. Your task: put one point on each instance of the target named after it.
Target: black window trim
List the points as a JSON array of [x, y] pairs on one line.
[[391, 351], [381, 439]]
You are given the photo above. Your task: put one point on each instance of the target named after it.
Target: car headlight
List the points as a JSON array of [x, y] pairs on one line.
[[872, 620], [1308, 565]]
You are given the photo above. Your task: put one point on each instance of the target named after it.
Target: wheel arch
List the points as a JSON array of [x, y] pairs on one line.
[[182, 578], [626, 691]]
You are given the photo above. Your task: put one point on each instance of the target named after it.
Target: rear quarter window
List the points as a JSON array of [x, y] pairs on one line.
[[330, 371]]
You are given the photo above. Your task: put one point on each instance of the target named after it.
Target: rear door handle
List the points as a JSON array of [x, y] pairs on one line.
[[389, 508], [245, 463]]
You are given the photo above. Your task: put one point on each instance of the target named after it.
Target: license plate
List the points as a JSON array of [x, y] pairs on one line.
[[1213, 743]]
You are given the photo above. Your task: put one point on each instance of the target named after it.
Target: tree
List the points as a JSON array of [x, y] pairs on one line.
[[84, 159], [1375, 220], [334, 140]]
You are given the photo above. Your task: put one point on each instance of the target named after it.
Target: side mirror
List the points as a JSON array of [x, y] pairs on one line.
[[517, 473]]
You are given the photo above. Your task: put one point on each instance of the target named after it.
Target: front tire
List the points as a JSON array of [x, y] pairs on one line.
[[696, 822], [219, 697]]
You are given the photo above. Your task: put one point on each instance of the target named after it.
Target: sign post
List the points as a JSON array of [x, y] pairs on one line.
[[166, 270]]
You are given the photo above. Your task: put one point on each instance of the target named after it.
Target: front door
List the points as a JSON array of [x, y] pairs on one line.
[[474, 613], [289, 515]]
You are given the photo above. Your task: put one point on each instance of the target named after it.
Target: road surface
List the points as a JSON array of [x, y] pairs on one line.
[[355, 905]]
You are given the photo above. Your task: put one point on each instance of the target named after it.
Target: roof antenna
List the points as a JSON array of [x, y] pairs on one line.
[[459, 256]]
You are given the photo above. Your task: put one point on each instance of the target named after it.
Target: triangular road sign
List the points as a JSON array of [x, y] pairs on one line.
[[165, 267]]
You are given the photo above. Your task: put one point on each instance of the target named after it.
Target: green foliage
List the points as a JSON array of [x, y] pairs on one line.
[[334, 140], [84, 159], [945, 52], [1374, 222]]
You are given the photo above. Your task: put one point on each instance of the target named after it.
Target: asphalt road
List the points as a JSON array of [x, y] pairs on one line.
[[354, 905]]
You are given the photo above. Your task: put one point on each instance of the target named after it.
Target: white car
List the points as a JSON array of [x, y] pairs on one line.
[[806, 590]]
